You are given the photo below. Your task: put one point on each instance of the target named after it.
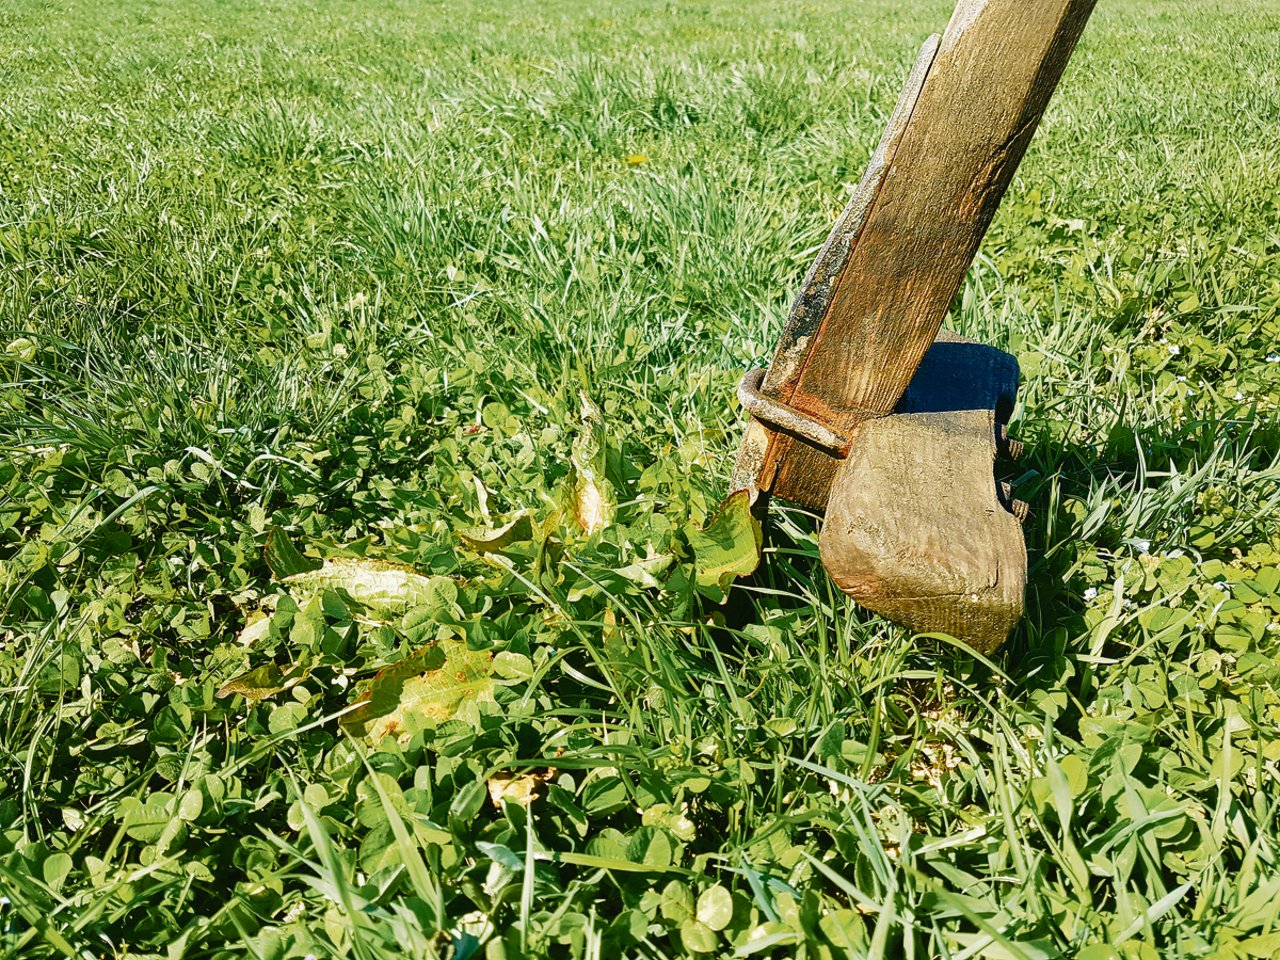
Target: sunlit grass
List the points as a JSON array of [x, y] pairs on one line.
[[346, 270]]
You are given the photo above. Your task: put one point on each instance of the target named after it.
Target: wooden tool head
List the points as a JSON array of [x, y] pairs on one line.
[[917, 527], [917, 531]]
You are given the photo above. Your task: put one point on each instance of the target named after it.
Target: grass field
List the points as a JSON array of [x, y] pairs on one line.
[[347, 269]]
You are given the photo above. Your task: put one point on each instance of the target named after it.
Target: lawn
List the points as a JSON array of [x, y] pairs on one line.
[[468, 287]]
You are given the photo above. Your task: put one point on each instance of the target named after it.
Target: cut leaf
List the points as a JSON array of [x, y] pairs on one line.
[[283, 558], [145, 821], [382, 587], [697, 937], [518, 530], [646, 572], [430, 686], [729, 546]]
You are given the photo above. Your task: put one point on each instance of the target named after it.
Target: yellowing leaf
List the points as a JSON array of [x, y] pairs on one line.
[[594, 503], [257, 626], [518, 788], [433, 685], [729, 546], [22, 348], [383, 587]]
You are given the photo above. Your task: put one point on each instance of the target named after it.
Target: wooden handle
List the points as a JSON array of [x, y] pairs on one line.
[[989, 82]]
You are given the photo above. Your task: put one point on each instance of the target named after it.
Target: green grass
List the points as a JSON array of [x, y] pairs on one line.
[[345, 270]]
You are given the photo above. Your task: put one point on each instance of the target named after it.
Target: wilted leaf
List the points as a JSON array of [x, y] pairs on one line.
[[594, 503], [429, 686], [382, 587], [518, 530], [260, 683], [283, 558], [729, 546]]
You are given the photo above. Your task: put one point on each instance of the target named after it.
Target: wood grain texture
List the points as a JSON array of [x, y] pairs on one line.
[[988, 84], [811, 303]]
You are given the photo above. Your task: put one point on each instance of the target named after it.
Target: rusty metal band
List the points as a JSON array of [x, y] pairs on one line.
[[780, 416]]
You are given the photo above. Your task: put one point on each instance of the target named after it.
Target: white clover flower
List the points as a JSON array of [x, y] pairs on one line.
[[1238, 396], [1174, 349], [1274, 358], [1091, 593]]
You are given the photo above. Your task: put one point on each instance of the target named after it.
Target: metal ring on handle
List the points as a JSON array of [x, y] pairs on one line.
[[774, 413]]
